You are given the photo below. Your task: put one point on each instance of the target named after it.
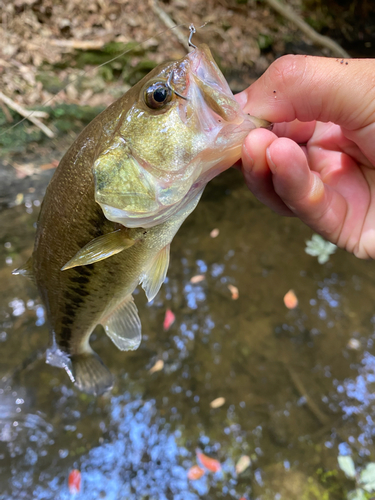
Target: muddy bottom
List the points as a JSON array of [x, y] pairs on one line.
[[298, 384]]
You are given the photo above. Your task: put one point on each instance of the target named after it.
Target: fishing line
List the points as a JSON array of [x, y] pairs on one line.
[[87, 72]]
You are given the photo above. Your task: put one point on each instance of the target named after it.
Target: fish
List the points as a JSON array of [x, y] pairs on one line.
[[117, 199]]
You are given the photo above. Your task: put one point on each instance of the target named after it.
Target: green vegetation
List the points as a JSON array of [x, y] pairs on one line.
[[62, 118]]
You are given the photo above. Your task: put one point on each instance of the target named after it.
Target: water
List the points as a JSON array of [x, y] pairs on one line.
[[298, 384]]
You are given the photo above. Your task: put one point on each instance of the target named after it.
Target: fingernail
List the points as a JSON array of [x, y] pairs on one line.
[[271, 164], [247, 160]]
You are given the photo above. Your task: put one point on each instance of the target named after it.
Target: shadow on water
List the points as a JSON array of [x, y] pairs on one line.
[[298, 384]]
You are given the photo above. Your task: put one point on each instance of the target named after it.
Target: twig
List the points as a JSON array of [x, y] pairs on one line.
[[325, 41], [29, 115], [322, 417], [79, 44], [24, 365], [39, 114], [170, 24], [8, 116]]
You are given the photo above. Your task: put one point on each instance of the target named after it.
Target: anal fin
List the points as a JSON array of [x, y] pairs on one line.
[[154, 274], [100, 248], [123, 325], [90, 374]]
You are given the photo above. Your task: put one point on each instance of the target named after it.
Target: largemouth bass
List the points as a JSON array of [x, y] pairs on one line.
[[118, 197]]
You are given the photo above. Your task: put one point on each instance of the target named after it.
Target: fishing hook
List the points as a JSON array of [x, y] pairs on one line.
[[192, 31], [169, 85]]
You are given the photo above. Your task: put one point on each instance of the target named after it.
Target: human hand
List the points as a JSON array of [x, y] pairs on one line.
[[318, 163]]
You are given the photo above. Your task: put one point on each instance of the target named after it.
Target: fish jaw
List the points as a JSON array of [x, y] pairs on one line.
[[220, 116], [160, 159]]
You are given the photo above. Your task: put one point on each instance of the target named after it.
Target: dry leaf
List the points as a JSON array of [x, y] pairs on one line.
[[214, 233], [24, 170], [209, 463], [159, 365], [354, 344], [48, 166], [198, 278], [74, 482], [195, 472], [290, 300], [234, 291], [242, 464], [216, 403], [19, 199], [169, 319]]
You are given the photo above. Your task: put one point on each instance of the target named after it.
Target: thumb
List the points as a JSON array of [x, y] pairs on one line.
[[314, 88]]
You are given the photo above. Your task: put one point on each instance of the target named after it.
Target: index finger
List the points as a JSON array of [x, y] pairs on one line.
[[314, 88]]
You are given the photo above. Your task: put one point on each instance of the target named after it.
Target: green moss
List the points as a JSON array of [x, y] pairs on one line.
[[63, 118], [264, 41], [332, 483], [15, 139]]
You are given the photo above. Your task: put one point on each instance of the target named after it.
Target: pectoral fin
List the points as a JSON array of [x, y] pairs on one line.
[[26, 270], [100, 248], [123, 325], [155, 273]]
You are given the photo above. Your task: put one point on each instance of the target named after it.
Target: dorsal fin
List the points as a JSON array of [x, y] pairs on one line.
[[100, 248], [123, 325], [26, 270], [154, 275]]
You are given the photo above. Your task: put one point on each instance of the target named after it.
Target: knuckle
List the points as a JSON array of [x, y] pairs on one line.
[[288, 70]]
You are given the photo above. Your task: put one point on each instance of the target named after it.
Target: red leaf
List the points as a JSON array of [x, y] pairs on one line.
[[207, 462], [74, 481], [290, 300], [168, 320], [195, 473]]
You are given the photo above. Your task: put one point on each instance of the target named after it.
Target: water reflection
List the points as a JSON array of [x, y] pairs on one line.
[[298, 384]]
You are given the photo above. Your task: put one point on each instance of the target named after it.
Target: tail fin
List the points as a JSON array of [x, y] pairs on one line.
[[90, 374]]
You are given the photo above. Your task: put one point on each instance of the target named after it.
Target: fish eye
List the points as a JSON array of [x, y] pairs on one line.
[[157, 95]]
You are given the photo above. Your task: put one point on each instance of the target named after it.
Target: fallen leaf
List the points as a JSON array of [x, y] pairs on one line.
[[209, 463], [353, 344], [214, 233], [347, 465], [48, 166], [242, 464], [74, 481], [19, 199], [290, 300], [195, 473], [216, 403], [159, 365], [24, 170], [234, 291], [168, 320], [198, 278]]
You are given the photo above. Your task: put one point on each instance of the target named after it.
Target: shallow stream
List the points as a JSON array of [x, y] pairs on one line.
[[298, 384]]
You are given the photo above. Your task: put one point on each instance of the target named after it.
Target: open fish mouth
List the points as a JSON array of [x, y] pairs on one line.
[[185, 128]]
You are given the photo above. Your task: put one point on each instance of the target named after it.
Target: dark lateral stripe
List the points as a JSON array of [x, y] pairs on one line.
[[82, 280], [73, 299], [65, 336], [80, 291], [84, 270], [67, 320]]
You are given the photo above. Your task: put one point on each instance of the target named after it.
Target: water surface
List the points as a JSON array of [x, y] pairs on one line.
[[298, 384]]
